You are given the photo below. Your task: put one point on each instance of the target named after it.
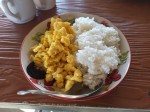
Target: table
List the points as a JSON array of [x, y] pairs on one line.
[[130, 16]]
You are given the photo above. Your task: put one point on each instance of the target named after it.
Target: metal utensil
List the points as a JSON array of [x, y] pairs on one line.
[[78, 93]]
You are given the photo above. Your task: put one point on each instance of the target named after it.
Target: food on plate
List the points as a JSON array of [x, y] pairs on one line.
[[98, 49], [35, 72], [55, 54], [81, 50]]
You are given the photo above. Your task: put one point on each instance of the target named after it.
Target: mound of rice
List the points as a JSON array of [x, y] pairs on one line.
[[98, 49]]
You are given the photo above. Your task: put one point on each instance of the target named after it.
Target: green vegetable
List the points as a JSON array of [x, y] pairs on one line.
[[72, 20], [37, 37], [123, 57]]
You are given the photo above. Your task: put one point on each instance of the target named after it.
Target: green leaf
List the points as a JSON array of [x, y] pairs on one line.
[[37, 37], [123, 57], [72, 20]]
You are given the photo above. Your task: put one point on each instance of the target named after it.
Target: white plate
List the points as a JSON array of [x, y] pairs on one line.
[[41, 27]]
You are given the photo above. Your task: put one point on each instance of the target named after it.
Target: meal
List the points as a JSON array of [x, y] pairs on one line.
[[85, 51], [98, 50], [55, 54]]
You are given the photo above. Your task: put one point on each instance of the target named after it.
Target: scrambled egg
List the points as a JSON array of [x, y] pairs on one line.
[[55, 54]]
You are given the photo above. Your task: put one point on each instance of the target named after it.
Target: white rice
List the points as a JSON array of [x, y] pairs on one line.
[[83, 24], [98, 49]]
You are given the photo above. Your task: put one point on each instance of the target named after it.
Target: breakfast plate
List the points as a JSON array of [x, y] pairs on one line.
[[28, 42]]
